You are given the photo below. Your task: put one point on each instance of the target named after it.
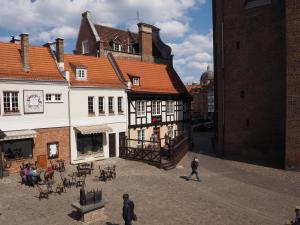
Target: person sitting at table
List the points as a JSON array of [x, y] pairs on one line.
[[31, 178], [25, 174], [49, 173]]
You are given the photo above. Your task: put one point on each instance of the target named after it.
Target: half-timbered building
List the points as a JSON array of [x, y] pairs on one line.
[[158, 102]]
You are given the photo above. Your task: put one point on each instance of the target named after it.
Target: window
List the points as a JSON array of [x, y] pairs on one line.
[[17, 149], [52, 150], [117, 47], [141, 108], [11, 101], [111, 104], [81, 73], [255, 3], [53, 98], [101, 104], [120, 104], [85, 47], [48, 97], [156, 108], [141, 136], [89, 143], [91, 105], [136, 81], [170, 107], [57, 97], [130, 49]]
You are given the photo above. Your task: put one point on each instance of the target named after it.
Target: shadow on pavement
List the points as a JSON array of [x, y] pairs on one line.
[[109, 223], [183, 177], [74, 215]]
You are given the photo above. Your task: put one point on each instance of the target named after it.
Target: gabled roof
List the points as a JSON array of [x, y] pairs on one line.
[[99, 71], [41, 62], [108, 34], [154, 78]]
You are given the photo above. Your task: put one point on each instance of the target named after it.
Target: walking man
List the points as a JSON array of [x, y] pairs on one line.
[[128, 210], [194, 166]]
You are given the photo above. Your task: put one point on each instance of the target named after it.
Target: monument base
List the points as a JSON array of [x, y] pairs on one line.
[[90, 213]]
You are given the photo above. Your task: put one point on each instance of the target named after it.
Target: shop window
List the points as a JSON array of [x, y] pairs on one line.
[[89, 143], [18, 149], [52, 150]]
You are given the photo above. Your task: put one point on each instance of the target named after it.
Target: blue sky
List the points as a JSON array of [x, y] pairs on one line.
[[185, 25]]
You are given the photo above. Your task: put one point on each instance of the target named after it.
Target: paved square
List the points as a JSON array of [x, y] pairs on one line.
[[230, 193]]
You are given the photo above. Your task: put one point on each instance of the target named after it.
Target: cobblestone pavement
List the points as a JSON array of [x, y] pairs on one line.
[[231, 193]]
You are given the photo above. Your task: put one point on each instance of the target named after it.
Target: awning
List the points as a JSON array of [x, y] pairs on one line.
[[18, 134], [96, 129]]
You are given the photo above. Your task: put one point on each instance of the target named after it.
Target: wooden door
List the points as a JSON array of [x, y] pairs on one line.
[[112, 145], [156, 131], [42, 161], [122, 140]]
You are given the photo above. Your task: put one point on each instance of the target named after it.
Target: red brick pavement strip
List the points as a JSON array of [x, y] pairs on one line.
[[230, 193]]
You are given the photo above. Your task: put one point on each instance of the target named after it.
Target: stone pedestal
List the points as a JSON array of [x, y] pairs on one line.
[[91, 212], [92, 216]]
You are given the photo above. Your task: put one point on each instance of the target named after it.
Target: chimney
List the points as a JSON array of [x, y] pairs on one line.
[[25, 50], [86, 14], [60, 53], [145, 41]]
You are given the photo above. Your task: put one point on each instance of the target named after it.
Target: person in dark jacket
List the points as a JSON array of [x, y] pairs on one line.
[[128, 210], [194, 166]]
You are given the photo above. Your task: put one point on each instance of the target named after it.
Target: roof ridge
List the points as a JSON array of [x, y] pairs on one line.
[[115, 28]]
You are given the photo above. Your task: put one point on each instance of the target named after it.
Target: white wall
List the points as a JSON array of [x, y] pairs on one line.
[[54, 115], [80, 117]]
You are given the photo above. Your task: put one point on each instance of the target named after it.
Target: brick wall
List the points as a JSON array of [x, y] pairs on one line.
[[85, 33], [44, 136], [292, 144], [250, 92]]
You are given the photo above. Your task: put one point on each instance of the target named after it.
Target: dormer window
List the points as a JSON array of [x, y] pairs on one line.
[[81, 74], [136, 81], [85, 47], [117, 47]]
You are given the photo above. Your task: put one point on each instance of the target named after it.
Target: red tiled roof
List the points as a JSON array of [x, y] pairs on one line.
[[41, 62], [154, 78], [108, 34], [99, 71]]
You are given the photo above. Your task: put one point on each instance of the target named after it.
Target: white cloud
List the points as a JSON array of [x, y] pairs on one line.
[[5, 39], [193, 55], [173, 28], [46, 20]]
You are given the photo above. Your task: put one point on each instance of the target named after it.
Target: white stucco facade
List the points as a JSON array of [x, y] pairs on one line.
[[51, 114], [79, 116]]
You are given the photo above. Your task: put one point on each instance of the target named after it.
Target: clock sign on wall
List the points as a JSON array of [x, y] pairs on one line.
[[33, 101]]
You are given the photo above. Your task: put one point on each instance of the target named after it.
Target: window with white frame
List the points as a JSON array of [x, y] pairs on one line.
[[85, 47], [91, 105], [156, 108], [101, 104], [170, 107], [141, 108], [120, 104], [110, 104], [141, 136], [81, 74], [51, 97], [11, 101], [117, 47], [136, 81]]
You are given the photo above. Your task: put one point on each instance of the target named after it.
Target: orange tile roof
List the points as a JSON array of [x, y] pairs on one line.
[[41, 62], [154, 78], [100, 73]]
